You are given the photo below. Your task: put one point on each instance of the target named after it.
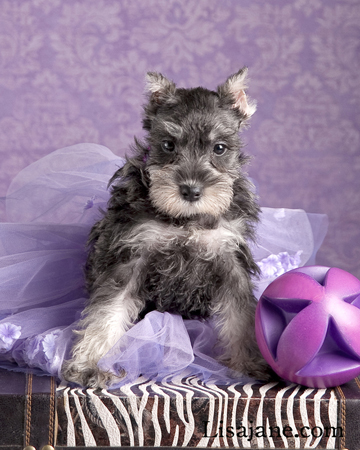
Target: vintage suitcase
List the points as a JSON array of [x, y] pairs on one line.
[[27, 410], [189, 413], [183, 412]]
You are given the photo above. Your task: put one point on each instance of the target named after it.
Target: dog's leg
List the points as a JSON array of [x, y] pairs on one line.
[[110, 313], [235, 318]]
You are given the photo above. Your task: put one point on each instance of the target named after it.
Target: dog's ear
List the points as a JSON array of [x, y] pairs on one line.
[[159, 87], [234, 89], [160, 90]]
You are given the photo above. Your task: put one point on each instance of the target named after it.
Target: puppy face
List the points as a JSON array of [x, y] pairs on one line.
[[194, 148]]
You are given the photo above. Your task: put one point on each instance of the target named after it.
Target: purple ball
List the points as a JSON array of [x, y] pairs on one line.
[[308, 326]]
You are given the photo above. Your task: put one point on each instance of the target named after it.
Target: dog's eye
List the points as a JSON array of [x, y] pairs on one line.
[[220, 149], [168, 146]]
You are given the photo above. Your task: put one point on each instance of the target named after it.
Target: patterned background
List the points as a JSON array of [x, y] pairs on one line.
[[73, 71]]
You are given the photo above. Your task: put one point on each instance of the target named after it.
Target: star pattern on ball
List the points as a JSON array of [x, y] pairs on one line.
[[310, 322]]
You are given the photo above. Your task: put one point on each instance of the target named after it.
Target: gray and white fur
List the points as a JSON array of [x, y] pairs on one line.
[[175, 234]]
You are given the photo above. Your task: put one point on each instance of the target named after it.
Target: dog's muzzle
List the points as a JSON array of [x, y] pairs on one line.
[[190, 193]]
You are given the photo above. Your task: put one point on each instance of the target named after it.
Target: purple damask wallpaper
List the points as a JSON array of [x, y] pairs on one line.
[[73, 71]]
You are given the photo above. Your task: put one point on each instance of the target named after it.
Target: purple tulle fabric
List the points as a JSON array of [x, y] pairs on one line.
[[51, 206], [163, 344]]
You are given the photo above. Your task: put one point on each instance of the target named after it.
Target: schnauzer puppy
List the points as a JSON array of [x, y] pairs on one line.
[[175, 235]]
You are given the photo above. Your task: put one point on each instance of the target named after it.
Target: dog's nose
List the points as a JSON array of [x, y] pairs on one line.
[[190, 193]]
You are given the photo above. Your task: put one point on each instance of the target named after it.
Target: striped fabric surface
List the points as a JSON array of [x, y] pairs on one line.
[[187, 412]]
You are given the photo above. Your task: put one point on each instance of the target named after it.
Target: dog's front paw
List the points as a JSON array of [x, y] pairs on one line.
[[261, 371], [91, 377], [250, 363]]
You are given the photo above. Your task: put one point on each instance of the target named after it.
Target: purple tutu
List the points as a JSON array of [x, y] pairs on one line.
[[51, 206]]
